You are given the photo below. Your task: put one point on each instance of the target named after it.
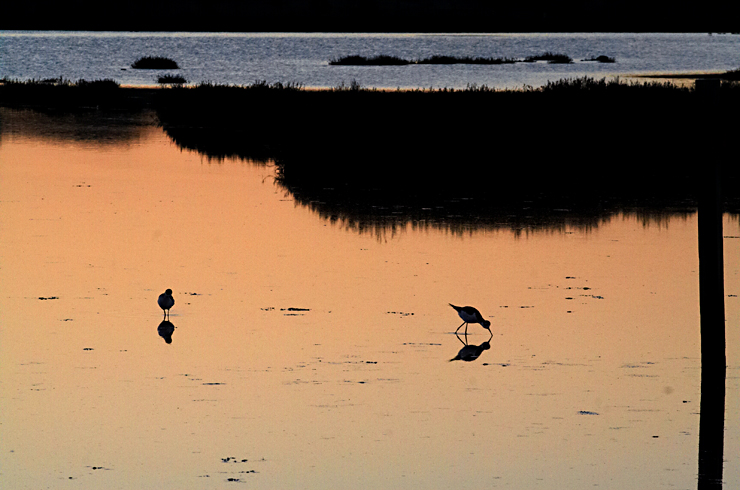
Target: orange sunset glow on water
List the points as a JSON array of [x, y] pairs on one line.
[[308, 355]]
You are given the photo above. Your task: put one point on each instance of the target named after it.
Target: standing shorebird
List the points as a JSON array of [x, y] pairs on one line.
[[166, 301], [470, 315]]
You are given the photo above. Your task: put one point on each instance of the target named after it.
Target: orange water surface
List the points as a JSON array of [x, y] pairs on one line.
[[307, 355]]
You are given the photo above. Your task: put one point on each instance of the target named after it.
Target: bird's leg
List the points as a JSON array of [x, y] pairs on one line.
[[466, 329], [458, 328]]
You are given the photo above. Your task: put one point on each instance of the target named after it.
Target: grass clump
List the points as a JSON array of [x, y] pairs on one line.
[[381, 60], [601, 59], [154, 63], [463, 60], [384, 60], [62, 93], [550, 58], [171, 79], [731, 75]]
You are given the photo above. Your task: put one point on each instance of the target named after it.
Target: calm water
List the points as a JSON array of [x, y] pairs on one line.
[[242, 58], [309, 355]]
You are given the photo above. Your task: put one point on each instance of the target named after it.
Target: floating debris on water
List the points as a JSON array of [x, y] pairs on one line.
[[586, 412]]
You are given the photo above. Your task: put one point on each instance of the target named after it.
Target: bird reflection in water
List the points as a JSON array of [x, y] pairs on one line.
[[470, 352], [165, 330]]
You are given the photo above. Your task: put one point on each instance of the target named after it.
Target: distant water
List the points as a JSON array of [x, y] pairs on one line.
[[242, 58]]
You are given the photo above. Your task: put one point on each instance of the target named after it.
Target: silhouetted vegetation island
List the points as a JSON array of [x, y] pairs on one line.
[[155, 63], [602, 59], [385, 60], [380, 60], [550, 58]]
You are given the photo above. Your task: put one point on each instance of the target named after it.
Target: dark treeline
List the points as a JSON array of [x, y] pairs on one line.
[[376, 16]]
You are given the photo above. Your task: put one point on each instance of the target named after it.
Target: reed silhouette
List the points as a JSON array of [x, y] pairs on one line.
[[169, 79], [81, 95]]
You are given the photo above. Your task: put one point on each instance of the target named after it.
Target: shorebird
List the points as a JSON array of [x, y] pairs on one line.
[[470, 315], [166, 301]]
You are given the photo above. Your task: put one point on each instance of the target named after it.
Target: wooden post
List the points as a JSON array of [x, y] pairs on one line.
[[711, 296]]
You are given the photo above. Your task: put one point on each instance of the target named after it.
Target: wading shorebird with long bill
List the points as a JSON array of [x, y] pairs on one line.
[[470, 315], [166, 301]]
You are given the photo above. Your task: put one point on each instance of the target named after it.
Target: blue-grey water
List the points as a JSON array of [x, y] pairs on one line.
[[303, 58]]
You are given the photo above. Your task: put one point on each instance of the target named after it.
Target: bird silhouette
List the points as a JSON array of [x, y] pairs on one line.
[[470, 315], [165, 330], [166, 301], [471, 352]]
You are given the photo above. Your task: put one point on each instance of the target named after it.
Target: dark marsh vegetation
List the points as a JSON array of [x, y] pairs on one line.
[[61, 93], [386, 60], [602, 59], [169, 79], [155, 63], [574, 144], [577, 147]]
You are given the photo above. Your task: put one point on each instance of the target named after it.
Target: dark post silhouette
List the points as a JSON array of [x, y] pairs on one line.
[[711, 295]]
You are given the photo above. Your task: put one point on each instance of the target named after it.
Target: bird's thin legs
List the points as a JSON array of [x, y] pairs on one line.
[[466, 328]]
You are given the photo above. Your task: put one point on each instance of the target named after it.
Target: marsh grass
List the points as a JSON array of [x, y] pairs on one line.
[[733, 75], [64, 94], [169, 79], [464, 60], [601, 59], [385, 60], [573, 142], [381, 60], [155, 63], [550, 58]]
